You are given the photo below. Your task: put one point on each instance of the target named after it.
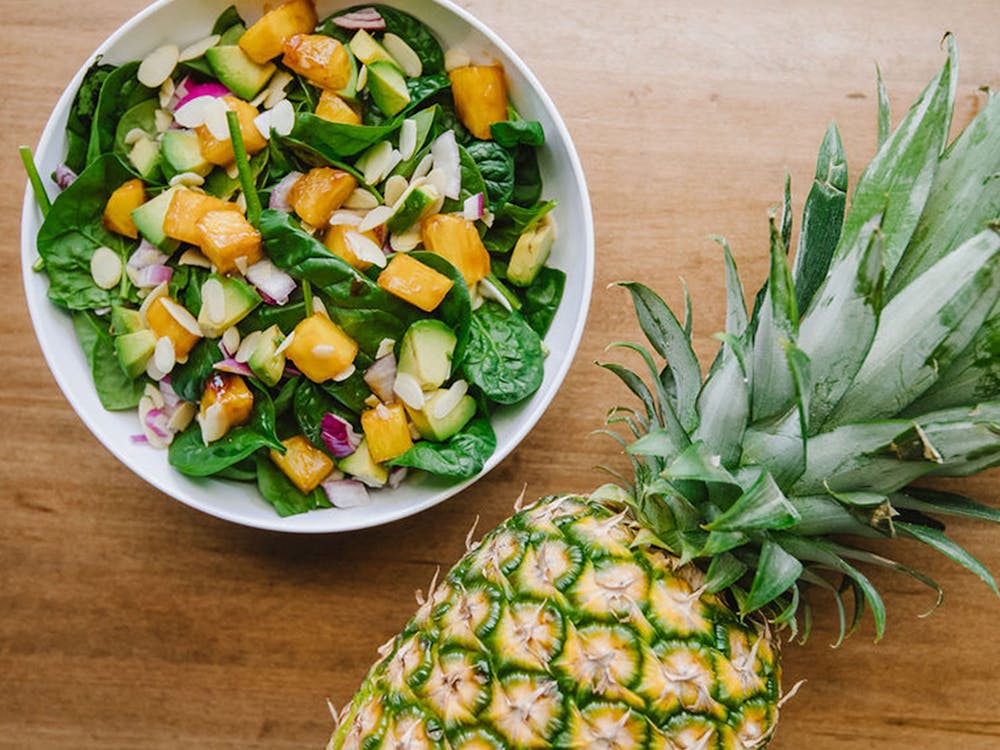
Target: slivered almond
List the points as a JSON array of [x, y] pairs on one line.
[[408, 138], [408, 60], [423, 167], [213, 301], [377, 161], [408, 390], [231, 340], [285, 344], [158, 66], [247, 346], [213, 423], [165, 355], [340, 378], [361, 200], [192, 257], [182, 417], [348, 218], [199, 48], [407, 241], [395, 188], [106, 268], [364, 249], [182, 316], [375, 218], [446, 404]]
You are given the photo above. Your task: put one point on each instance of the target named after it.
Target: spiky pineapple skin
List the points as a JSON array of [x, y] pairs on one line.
[[560, 630]]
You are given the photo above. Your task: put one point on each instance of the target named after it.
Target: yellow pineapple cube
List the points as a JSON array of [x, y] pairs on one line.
[[221, 152], [321, 192], [186, 209], [336, 241], [263, 40], [480, 97], [457, 240], [225, 237], [162, 322], [320, 349], [415, 282], [226, 402], [121, 204], [331, 107], [305, 464], [386, 431], [321, 60]]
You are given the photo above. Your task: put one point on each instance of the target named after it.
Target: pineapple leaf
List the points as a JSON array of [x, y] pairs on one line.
[[723, 571], [777, 445], [822, 219], [697, 462], [821, 515], [660, 442], [937, 540], [724, 403], [736, 306], [904, 168], [815, 579], [853, 553], [663, 400], [777, 571], [635, 384], [719, 542], [884, 109], [944, 503], [786, 215], [761, 506]]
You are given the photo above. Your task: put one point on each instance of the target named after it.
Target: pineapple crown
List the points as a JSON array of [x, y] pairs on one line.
[[871, 361]]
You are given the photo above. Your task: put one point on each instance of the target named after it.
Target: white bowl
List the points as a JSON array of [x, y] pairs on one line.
[[186, 21]]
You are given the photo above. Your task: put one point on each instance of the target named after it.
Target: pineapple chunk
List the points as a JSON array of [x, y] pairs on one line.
[[457, 240], [480, 97], [331, 107], [221, 152], [415, 282], [121, 204], [386, 431], [321, 192], [321, 349], [319, 59], [225, 403], [306, 465], [186, 209], [225, 237], [336, 241], [163, 322], [263, 41]]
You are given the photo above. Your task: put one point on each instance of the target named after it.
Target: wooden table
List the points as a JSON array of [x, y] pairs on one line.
[[128, 620]]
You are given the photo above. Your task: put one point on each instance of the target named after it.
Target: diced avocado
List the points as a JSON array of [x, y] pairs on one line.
[[238, 300], [182, 153], [361, 466], [264, 360], [431, 427], [387, 87], [412, 208], [125, 320], [238, 72], [350, 91], [146, 158], [149, 220], [530, 254], [367, 50], [426, 352], [134, 351], [232, 34]]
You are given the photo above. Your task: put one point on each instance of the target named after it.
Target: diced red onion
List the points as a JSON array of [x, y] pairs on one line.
[[291, 372], [152, 276], [170, 397], [156, 420], [139, 439], [381, 377], [475, 207], [281, 192], [64, 176], [368, 19], [232, 366], [346, 493], [194, 90], [339, 436], [396, 476], [272, 283], [446, 157]]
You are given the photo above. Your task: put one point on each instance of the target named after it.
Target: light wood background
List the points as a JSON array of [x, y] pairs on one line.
[[128, 620]]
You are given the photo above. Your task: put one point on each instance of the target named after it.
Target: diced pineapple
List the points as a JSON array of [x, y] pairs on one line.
[[263, 40], [320, 349], [415, 282], [121, 204], [321, 60], [305, 464], [386, 431], [226, 402], [186, 209], [480, 97], [163, 322], [321, 192], [336, 241], [457, 240], [221, 152], [331, 107], [225, 237]]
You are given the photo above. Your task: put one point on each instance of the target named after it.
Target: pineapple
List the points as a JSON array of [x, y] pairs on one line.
[[647, 615]]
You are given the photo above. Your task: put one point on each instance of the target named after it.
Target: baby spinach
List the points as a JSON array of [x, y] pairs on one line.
[[278, 490], [511, 222], [310, 404], [116, 390], [285, 399], [120, 92], [511, 133], [338, 140], [542, 298], [423, 88], [353, 392], [244, 471], [496, 166], [286, 317], [504, 355], [461, 457], [188, 379], [227, 19], [73, 230], [81, 115], [527, 177], [419, 38], [140, 117]]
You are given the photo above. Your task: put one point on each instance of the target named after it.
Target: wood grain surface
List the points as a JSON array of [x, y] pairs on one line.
[[128, 620]]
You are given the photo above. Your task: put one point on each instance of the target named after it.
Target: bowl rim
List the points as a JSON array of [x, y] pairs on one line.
[[38, 309]]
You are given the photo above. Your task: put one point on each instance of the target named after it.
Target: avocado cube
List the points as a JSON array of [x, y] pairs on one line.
[[432, 427], [146, 158], [265, 361], [361, 466], [238, 72], [412, 208], [426, 353], [126, 320], [387, 87], [182, 153], [134, 351], [224, 303], [149, 218], [530, 254]]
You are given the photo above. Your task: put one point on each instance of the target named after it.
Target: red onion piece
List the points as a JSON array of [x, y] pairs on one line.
[[368, 19], [396, 476], [194, 90], [272, 283], [475, 207], [64, 176], [339, 436], [170, 397], [381, 377], [291, 372], [234, 367], [152, 276], [346, 493], [139, 439], [280, 193], [156, 420]]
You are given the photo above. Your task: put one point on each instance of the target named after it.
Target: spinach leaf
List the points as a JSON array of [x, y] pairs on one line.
[[448, 120], [73, 230], [456, 309], [423, 88], [286, 317], [353, 392], [228, 18], [527, 177], [513, 133], [511, 222], [496, 166], [285, 399], [472, 182], [311, 403], [81, 115], [120, 92], [337, 140], [420, 38], [278, 490], [188, 379], [189, 454], [244, 471], [116, 390], [504, 356], [461, 457], [542, 298], [140, 117]]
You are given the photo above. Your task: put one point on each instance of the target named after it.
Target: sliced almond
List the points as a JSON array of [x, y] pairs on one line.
[[182, 417], [383, 412], [406, 242], [447, 402], [364, 249], [361, 199], [167, 91], [154, 372], [363, 77], [409, 390], [187, 179], [423, 167], [346, 218], [213, 423], [395, 188], [376, 161], [408, 139], [182, 316], [163, 120], [165, 355], [247, 347], [231, 340], [194, 112], [233, 171], [213, 301], [283, 118], [161, 291], [106, 267], [199, 48], [456, 57], [341, 377], [133, 136], [263, 124], [283, 347], [375, 218], [403, 53], [192, 257], [276, 89], [488, 290], [154, 395], [319, 308], [385, 348], [158, 66], [216, 120]]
